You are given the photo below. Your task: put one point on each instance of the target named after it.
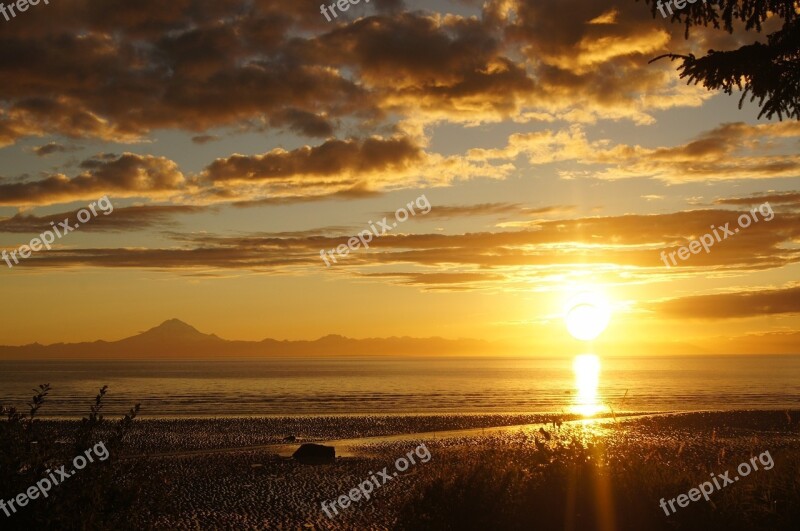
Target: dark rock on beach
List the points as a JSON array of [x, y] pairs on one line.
[[315, 454]]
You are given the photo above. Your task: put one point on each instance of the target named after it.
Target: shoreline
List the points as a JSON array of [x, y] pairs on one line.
[[156, 437], [144, 417]]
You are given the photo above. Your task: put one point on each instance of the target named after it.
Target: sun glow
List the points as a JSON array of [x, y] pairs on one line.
[[587, 315]]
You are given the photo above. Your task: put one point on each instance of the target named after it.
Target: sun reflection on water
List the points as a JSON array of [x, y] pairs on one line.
[[587, 380]]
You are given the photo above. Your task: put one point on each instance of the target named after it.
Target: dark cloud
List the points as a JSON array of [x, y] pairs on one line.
[[204, 139], [336, 169], [483, 209], [333, 157], [49, 149], [740, 304], [127, 174], [791, 199], [450, 281], [304, 123], [121, 219], [118, 70], [493, 209], [186, 260], [355, 191], [633, 241]]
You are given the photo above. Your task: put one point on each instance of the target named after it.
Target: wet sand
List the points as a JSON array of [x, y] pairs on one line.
[[222, 487]]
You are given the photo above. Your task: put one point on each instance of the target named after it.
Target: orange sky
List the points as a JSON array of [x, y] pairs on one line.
[[237, 141]]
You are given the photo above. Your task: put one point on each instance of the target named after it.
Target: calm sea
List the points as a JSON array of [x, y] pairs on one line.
[[391, 385]]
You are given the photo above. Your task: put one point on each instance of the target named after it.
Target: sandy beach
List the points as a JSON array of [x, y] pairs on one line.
[[196, 474]]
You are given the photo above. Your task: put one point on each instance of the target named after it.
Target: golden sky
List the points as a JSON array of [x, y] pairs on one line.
[[237, 139]]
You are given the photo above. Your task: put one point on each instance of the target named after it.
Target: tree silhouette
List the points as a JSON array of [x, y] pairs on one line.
[[769, 72]]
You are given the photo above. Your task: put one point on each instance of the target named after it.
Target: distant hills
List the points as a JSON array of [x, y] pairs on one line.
[[174, 339]]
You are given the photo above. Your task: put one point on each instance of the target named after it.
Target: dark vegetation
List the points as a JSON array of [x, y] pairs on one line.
[[615, 483], [93, 498]]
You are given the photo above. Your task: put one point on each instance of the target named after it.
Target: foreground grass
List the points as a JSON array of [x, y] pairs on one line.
[[604, 483]]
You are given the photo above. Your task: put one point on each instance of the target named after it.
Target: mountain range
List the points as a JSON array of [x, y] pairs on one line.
[[174, 339]]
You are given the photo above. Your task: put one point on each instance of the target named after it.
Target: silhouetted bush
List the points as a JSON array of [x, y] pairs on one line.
[[92, 498]]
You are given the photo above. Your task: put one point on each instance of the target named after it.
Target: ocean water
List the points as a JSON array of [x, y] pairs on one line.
[[406, 386]]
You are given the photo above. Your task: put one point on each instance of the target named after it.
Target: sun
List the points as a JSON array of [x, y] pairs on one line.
[[587, 315]]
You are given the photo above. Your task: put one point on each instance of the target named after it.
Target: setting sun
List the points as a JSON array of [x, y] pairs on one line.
[[587, 315]]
